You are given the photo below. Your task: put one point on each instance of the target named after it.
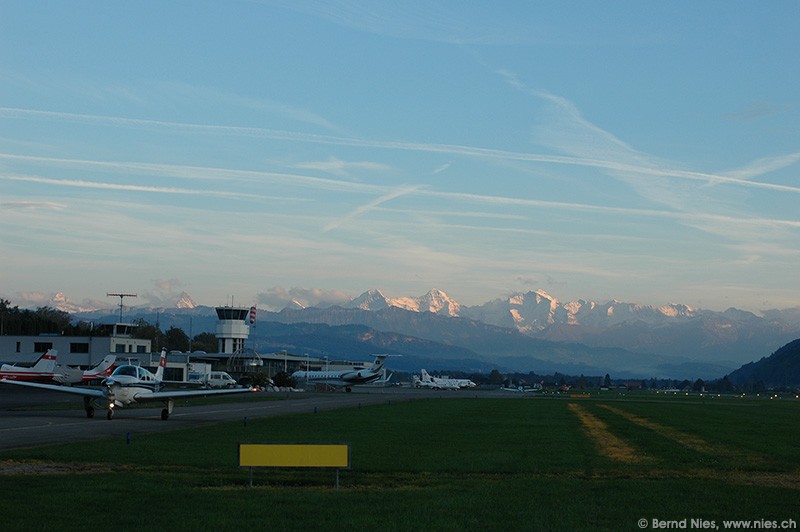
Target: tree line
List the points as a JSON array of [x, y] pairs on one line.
[[47, 320], [43, 320]]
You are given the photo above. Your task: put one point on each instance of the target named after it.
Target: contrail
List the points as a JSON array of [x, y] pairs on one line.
[[369, 206], [77, 183], [453, 149]]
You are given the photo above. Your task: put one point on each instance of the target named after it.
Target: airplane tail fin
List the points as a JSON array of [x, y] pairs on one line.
[[103, 369], [162, 363], [47, 362], [378, 364]]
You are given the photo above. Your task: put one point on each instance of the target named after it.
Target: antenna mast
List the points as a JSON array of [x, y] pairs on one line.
[[120, 296]]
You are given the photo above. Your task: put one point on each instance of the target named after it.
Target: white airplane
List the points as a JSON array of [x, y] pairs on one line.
[[130, 384], [463, 383], [523, 389], [426, 380], [70, 375], [343, 378], [42, 370]]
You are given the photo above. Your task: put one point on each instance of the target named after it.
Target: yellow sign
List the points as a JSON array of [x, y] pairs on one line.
[[294, 455]]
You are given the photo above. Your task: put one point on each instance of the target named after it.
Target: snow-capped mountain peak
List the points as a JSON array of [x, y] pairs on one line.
[[60, 302], [435, 301], [369, 300], [438, 302], [185, 301]]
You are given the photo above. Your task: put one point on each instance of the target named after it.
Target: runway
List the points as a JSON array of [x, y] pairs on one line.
[[27, 421]]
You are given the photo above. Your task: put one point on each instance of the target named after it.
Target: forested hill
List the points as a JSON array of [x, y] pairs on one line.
[[781, 369]]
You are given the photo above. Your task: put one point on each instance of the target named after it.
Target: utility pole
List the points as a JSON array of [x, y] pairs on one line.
[[120, 296]]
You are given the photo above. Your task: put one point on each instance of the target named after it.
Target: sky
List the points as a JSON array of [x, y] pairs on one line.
[[246, 152]]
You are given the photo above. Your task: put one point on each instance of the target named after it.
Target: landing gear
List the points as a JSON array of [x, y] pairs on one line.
[[168, 410], [87, 405], [348, 389], [110, 414]]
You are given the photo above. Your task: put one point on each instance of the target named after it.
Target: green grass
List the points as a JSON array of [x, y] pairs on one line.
[[438, 464]]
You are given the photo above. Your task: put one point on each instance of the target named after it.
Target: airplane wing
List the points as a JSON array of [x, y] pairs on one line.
[[180, 394], [85, 392]]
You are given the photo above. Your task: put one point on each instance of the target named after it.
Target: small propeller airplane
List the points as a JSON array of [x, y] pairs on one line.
[[344, 378], [43, 370], [48, 370], [130, 384]]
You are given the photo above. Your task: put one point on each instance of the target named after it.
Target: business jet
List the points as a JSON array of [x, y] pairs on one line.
[[130, 384], [71, 375], [426, 380], [343, 378], [43, 370], [522, 389]]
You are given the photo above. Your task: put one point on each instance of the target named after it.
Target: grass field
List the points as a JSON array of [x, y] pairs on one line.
[[436, 464]]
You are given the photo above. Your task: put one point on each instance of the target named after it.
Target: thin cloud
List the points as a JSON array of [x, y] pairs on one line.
[[763, 166], [205, 173], [756, 111], [214, 96], [277, 298], [441, 168], [677, 215], [633, 167], [342, 168], [297, 180], [369, 206], [75, 183], [32, 205]]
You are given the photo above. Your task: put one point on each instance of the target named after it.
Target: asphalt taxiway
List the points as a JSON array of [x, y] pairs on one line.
[[29, 417]]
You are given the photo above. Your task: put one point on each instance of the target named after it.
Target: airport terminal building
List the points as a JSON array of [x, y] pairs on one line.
[[232, 332], [75, 350]]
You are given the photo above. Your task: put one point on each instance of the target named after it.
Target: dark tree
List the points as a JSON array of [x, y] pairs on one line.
[[283, 379], [147, 331], [177, 340], [205, 342], [495, 377]]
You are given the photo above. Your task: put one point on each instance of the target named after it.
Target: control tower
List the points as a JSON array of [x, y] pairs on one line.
[[232, 329]]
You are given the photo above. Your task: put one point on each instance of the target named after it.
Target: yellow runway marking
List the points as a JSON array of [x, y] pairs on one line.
[[687, 440], [609, 444]]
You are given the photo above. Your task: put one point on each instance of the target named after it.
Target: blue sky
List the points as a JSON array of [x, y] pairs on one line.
[[646, 152]]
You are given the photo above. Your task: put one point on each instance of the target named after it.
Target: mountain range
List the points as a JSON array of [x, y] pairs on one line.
[[729, 338], [530, 331]]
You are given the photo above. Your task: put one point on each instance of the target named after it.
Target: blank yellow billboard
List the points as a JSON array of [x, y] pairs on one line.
[[294, 455]]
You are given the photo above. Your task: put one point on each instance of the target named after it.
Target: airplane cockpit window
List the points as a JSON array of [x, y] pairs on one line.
[[130, 371]]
